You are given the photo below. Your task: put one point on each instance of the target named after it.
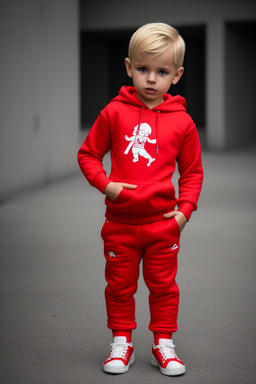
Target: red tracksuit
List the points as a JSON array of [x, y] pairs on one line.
[[145, 145]]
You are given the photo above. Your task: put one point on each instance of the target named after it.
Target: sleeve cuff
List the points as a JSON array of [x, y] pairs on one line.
[[101, 181], [187, 209]]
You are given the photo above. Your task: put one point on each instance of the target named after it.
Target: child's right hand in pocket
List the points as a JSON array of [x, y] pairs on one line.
[[113, 189]]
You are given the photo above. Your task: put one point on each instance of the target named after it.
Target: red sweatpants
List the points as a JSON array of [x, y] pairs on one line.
[[157, 244]]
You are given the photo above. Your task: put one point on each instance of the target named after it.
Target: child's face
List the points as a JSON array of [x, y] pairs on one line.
[[152, 77]]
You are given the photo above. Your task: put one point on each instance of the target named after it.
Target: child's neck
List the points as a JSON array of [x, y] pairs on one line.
[[150, 103]]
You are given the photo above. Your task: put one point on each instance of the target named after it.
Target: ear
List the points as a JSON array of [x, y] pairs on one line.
[[178, 75], [128, 67]]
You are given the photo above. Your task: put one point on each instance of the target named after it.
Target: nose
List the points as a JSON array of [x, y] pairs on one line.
[[151, 77]]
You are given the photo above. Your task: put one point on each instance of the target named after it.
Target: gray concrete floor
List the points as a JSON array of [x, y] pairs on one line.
[[53, 322]]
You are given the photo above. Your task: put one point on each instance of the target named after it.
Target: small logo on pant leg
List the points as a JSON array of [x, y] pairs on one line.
[[111, 254], [175, 246]]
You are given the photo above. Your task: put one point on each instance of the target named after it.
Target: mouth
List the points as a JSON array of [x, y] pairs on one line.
[[150, 90]]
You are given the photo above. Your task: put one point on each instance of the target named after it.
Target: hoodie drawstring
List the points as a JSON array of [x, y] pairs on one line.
[[140, 122], [157, 116], [141, 116]]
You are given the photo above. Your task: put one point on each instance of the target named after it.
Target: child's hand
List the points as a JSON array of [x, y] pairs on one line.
[[179, 216], [113, 189]]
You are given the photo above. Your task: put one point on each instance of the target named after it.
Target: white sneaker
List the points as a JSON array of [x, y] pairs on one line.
[[164, 357], [121, 356]]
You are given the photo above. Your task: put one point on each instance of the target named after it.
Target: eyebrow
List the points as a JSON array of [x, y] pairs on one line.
[[145, 65]]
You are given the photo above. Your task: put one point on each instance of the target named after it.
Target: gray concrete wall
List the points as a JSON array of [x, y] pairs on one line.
[[39, 124]]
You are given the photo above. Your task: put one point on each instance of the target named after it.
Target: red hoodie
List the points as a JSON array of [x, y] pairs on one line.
[[145, 145]]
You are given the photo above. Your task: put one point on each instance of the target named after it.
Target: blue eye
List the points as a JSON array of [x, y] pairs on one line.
[[142, 69], [163, 73]]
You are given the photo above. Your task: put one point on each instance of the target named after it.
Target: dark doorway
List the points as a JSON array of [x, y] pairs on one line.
[[240, 82], [103, 71]]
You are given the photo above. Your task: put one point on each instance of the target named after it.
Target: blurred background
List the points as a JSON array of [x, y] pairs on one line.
[[63, 60]]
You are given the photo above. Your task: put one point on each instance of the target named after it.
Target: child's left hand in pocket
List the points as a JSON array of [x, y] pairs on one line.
[[179, 217]]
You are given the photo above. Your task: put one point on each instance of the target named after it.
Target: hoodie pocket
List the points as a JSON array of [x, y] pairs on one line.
[[176, 224], [147, 198]]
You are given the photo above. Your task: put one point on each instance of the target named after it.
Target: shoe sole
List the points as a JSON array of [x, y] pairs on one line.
[[168, 372], [121, 369]]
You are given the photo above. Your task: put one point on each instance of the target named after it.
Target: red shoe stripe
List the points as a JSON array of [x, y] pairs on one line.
[[162, 361], [175, 359], [126, 358]]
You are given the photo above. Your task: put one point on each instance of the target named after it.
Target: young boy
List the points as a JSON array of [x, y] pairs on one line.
[[147, 131]]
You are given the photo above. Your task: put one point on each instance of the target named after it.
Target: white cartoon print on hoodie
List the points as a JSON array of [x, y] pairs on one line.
[[138, 141]]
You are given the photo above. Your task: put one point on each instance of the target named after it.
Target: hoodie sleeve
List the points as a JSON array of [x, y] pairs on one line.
[[191, 172], [92, 151]]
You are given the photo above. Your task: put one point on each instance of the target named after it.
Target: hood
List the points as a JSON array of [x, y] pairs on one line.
[[171, 103]]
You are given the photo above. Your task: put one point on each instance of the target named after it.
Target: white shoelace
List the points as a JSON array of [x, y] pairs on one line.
[[167, 350], [118, 350]]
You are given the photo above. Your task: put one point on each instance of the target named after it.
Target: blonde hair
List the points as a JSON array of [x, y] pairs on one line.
[[156, 38]]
